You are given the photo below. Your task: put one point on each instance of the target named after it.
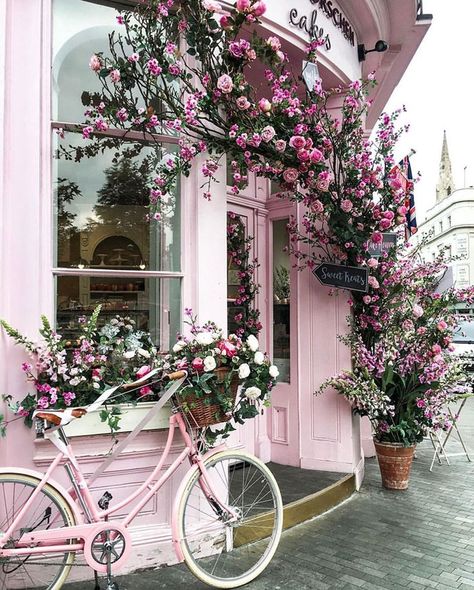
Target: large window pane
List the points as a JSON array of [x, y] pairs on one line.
[[101, 211], [154, 304], [281, 299]]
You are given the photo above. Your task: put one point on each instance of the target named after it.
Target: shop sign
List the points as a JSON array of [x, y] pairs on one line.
[[311, 22], [389, 240], [354, 278]]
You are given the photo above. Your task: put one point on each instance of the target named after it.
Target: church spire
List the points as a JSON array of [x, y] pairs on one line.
[[445, 184]]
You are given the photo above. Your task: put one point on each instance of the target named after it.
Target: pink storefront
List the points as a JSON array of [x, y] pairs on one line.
[[73, 236]]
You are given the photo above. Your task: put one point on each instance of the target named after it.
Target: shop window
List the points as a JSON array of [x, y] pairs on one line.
[[105, 250], [281, 299]]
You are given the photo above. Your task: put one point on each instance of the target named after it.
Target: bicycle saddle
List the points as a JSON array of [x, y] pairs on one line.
[[60, 417]]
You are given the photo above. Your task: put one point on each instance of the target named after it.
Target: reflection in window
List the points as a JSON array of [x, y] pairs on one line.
[[104, 198], [281, 299]]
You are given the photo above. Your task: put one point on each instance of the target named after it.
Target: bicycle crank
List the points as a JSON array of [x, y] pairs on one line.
[[107, 547]]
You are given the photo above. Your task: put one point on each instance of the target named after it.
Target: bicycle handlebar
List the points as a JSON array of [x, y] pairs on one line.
[[167, 377]]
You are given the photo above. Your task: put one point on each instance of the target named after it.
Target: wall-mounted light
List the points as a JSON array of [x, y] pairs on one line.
[[380, 47], [310, 75]]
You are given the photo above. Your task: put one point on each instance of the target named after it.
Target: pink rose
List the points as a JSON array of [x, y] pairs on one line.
[[198, 364], [115, 76], [224, 22], [322, 184], [303, 155], [242, 103], [145, 391], [298, 142], [290, 175], [385, 224], [259, 8], [316, 155], [211, 6], [377, 237], [94, 63], [372, 263], [373, 282], [367, 299], [436, 348], [268, 133], [227, 348], [281, 56], [264, 105], [417, 310], [317, 206], [441, 325], [421, 330], [142, 371], [347, 205], [225, 84], [242, 5], [280, 145], [274, 43]]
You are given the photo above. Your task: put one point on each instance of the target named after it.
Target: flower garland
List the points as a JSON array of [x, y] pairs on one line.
[[247, 319]]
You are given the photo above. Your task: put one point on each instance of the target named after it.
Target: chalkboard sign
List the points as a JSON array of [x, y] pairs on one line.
[[354, 278], [389, 241]]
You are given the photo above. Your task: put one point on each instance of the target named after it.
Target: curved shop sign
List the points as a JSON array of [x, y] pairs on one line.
[[324, 13]]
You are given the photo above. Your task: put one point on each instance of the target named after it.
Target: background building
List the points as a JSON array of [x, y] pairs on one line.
[[449, 224]]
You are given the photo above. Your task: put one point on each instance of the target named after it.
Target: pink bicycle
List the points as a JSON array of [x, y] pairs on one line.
[[226, 522]]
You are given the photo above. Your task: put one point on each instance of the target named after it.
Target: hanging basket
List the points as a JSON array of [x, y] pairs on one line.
[[201, 414]]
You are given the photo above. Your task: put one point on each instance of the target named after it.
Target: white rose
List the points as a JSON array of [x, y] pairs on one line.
[[204, 338], [252, 343], [129, 354], [258, 358], [144, 353], [274, 372], [178, 347], [252, 392], [244, 371], [96, 386], [209, 363]]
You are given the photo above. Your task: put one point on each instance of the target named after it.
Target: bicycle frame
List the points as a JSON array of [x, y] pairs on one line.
[[80, 536]]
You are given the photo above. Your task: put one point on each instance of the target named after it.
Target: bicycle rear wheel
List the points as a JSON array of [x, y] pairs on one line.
[[49, 510], [227, 548]]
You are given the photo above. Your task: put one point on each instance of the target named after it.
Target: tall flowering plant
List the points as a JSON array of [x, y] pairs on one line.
[[65, 373], [182, 68], [404, 373], [247, 371]]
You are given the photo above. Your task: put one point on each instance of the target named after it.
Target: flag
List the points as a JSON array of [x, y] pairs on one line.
[[403, 177], [410, 223]]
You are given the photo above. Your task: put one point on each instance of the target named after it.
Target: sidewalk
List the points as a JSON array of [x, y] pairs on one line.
[[419, 539]]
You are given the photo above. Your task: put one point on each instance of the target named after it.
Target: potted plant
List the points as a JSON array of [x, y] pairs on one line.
[[404, 373], [228, 378]]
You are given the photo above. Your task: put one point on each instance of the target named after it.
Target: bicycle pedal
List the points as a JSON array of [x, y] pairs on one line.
[[105, 501]]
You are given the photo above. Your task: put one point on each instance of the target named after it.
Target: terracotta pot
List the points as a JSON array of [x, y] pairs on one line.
[[395, 463]]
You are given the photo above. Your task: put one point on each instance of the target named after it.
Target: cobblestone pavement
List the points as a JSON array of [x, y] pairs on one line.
[[420, 538]]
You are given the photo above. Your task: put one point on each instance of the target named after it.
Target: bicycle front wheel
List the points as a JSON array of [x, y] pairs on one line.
[[229, 542], [46, 571]]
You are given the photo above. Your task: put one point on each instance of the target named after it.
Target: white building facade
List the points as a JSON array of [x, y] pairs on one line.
[[449, 224]]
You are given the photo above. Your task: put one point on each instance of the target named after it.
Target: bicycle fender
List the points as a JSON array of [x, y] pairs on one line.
[[58, 487], [182, 485]]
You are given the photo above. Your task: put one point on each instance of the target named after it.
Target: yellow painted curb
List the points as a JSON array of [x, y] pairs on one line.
[[298, 511]]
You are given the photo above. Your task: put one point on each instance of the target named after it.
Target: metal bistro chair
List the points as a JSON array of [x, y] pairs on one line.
[[440, 438]]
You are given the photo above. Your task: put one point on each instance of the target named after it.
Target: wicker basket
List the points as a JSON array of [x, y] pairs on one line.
[[202, 415]]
